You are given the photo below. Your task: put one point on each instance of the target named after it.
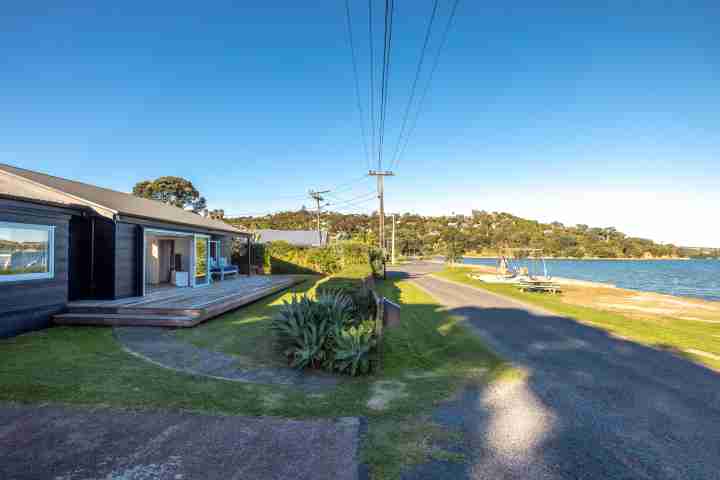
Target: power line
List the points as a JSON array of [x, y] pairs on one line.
[[366, 197], [357, 83], [415, 81], [429, 81], [350, 210], [372, 77], [350, 183], [384, 92]]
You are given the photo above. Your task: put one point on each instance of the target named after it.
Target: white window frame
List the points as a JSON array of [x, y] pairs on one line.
[[50, 274], [209, 281]]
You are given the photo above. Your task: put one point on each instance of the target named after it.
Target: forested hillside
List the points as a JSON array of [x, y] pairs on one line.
[[485, 233]]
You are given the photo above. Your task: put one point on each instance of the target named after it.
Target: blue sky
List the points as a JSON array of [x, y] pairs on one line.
[[603, 115]]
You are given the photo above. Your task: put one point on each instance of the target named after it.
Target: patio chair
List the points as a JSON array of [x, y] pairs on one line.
[[222, 267]]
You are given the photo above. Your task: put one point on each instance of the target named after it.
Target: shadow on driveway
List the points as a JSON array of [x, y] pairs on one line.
[[590, 406]]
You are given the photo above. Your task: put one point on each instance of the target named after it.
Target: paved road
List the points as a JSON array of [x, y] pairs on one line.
[[593, 406], [61, 443]]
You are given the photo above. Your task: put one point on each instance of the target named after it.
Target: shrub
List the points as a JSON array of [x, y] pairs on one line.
[[377, 262], [326, 333], [302, 330], [353, 348], [282, 257], [352, 253], [324, 260], [351, 281]]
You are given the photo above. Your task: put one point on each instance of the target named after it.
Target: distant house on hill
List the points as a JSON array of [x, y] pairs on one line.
[[299, 238]]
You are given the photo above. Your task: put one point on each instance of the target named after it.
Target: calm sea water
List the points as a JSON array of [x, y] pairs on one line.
[[690, 278]]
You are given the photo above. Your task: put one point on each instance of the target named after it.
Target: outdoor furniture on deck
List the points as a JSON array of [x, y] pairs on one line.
[[180, 279], [221, 268]]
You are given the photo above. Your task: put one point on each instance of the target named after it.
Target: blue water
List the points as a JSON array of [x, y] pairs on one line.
[[689, 278]]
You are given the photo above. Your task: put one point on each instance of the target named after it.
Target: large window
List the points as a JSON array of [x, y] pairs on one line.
[[26, 251]]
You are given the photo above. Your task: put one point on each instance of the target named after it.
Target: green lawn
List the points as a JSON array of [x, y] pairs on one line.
[[674, 334], [425, 361]]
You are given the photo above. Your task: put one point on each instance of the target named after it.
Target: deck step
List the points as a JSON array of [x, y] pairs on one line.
[[117, 319], [137, 311]]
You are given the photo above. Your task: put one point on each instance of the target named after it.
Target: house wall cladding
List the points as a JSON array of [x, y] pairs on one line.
[[126, 258], [30, 305]]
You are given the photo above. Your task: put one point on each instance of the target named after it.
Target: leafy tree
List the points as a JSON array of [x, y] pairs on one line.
[[484, 232], [175, 191]]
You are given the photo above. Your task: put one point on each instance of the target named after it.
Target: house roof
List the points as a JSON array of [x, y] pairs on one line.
[[20, 182], [302, 238]]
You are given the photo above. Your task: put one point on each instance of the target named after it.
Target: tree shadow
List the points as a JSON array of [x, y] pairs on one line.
[[590, 405], [280, 267]]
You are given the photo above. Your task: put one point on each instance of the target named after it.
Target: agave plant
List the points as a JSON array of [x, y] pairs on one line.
[[325, 332], [309, 348], [303, 329], [353, 348], [338, 307]]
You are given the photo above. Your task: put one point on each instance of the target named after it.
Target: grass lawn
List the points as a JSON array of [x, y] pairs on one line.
[[675, 334], [425, 361]]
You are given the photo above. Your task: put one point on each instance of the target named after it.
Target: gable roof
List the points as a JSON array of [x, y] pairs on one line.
[[106, 202], [301, 238]]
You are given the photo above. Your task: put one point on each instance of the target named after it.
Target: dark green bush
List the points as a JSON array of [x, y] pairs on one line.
[[282, 257], [377, 262], [352, 253]]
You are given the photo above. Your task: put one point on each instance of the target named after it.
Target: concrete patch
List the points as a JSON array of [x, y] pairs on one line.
[[384, 392], [160, 347]]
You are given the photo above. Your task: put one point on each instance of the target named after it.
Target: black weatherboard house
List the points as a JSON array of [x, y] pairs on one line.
[[62, 240]]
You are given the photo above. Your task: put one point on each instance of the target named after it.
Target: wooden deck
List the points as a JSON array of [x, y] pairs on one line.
[[175, 307]]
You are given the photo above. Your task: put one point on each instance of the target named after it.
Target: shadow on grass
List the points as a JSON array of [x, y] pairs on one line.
[[279, 267]]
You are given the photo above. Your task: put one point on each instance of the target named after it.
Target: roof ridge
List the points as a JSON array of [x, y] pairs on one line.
[[53, 189], [54, 183], [67, 179]]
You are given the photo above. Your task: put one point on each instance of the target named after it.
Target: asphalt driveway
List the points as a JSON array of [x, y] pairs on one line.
[[593, 406], [62, 443]]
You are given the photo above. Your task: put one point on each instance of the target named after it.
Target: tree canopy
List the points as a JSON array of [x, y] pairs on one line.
[[176, 191], [483, 233]]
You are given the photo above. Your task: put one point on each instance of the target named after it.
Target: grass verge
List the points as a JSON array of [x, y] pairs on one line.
[[427, 359], [675, 334]]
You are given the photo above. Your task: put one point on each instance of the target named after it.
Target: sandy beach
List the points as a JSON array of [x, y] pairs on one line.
[[632, 303]]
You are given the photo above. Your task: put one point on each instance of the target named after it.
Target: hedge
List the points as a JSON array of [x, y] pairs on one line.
[[284, 258]]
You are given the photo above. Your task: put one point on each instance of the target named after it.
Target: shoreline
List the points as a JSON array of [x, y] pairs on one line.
[[634, 259], [633, 301], [490, 270]]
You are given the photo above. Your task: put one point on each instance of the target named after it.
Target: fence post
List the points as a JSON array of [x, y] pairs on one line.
[[379, 314]]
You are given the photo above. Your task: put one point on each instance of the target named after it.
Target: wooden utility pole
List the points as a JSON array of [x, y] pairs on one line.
[[381, 174], [317, 196], [393, 240]]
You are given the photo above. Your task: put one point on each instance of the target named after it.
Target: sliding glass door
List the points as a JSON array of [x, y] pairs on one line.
[[202, 254]]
